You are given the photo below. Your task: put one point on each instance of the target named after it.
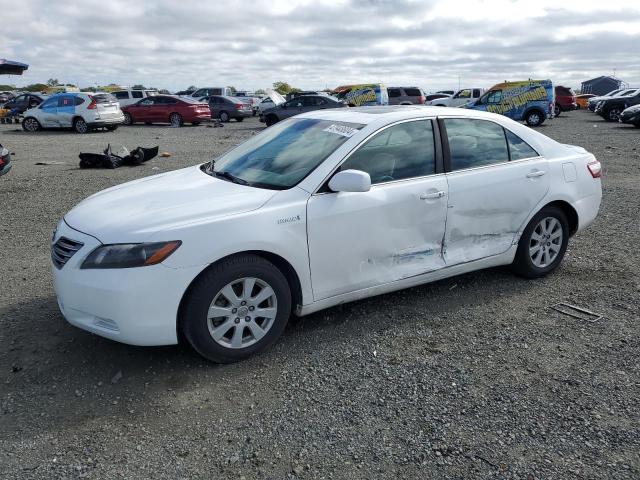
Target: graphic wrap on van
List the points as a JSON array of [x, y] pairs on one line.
[[363, 95], [516, 99]]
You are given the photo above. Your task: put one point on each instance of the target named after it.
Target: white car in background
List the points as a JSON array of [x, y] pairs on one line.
[[320, 209], [461, 97], [78, 110], [130, 96]]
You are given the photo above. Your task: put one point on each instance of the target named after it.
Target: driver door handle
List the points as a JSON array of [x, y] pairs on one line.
[[431, 196], [536, 173]]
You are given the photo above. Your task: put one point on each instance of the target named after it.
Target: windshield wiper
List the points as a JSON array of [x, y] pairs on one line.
[[231, 177]]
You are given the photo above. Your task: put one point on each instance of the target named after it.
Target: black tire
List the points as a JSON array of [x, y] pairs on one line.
[[81, 126], [128, 119], [534, 118], [557, 110], [224, 116], [523, 264], [112, 128], [270, 120], [193, 318], [31, 124], [239, 119], [175, 119], [612, 114]]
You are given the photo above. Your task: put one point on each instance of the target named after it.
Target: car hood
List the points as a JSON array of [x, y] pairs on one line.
[[275, 97], [135, 211]]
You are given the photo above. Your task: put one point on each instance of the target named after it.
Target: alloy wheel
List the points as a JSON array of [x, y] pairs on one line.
[[546, 242], [614, 114], [534, 118], [81, 126], [242, 313], [175, 120], [31, 124]]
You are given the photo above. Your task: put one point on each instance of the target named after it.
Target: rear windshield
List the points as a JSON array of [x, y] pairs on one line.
[[413, 92], [104, 98], [190, 100]]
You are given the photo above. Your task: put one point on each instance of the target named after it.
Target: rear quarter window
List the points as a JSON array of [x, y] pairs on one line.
[[104, 98], [413, 92]]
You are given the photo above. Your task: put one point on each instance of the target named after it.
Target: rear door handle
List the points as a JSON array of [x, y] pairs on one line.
[[431, 196], [536, 173]]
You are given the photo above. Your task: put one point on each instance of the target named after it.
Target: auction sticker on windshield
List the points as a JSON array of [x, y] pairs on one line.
[[343, 130]]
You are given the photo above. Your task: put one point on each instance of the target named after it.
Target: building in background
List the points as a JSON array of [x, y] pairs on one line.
[[601, 85]]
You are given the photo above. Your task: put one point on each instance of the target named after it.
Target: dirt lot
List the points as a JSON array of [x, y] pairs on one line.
[[471, 377]]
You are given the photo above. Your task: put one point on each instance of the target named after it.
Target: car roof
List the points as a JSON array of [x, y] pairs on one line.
[[391, 113]]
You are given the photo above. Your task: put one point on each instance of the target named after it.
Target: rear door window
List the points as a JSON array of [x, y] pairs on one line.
[[413, 92], [393, 92], [121, 95], [475, 143]]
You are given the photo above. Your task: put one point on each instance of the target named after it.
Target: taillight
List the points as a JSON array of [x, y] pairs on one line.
[[239, 105], [595, 169], [93, 105], [421, 100]]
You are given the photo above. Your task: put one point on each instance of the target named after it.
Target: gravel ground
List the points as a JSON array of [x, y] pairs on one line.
[[471, 377]]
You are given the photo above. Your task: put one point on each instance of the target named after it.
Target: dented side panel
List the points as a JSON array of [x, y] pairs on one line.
[[488, 207], [360, 240]]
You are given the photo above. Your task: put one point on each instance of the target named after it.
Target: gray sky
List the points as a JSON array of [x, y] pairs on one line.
[[312, 44]]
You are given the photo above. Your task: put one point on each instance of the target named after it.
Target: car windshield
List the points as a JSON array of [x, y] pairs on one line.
[[284, 153]]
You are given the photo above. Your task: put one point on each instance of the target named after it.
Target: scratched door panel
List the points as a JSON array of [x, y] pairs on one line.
[[488, 206], [360, 240]]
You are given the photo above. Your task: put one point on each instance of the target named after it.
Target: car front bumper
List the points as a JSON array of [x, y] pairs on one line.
[[137, 306]]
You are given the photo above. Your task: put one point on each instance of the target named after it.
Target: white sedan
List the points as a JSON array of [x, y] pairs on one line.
[[321, 209]]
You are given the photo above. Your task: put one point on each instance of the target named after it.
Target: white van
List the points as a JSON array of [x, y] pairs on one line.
[[129, 96]]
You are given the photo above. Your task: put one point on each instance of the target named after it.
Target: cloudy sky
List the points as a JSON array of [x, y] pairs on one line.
[[314, 44]]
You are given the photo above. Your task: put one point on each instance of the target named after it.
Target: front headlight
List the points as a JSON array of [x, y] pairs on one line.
[[129, 255]]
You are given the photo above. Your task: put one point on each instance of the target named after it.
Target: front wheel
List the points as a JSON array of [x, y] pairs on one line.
[[557, 111], [271, 120], [80, 126], [237, 308], [534, 118], [175, 119], [542, 244], [30, 124]]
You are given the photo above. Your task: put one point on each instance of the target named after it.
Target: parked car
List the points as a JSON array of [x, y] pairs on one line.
[[24, 102], [321, 209], [298, 105], [206, 92], [611, 108], [5, 160], [265, 103], [447, 92], [81, 111], [461, 97], [6, 96], [530, 101], [167, 109], [226, 108], [614, 93], [405, 96], [130, 96], [250, 98], [435, 96], [582, 100], [565, 100], [362, 95], [631, 116], [185, 92]]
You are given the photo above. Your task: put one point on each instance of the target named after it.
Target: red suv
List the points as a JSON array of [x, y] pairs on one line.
[[167, 109], [565, 100]]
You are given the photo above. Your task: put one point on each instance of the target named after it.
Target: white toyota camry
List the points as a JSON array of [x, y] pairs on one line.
[[321, 209]]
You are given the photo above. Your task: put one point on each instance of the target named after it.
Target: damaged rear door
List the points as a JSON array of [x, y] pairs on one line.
[[495, 181], [393, 231]]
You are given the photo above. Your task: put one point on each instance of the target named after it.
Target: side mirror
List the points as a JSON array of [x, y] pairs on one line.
[[350, 181]]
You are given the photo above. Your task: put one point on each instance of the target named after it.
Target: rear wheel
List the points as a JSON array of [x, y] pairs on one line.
[[224, 116], [557, 110], [80, 126], [542, 244], [30, 124], [613, 114], [534, 118], [175, 119], [237, 308], [128, 119]]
